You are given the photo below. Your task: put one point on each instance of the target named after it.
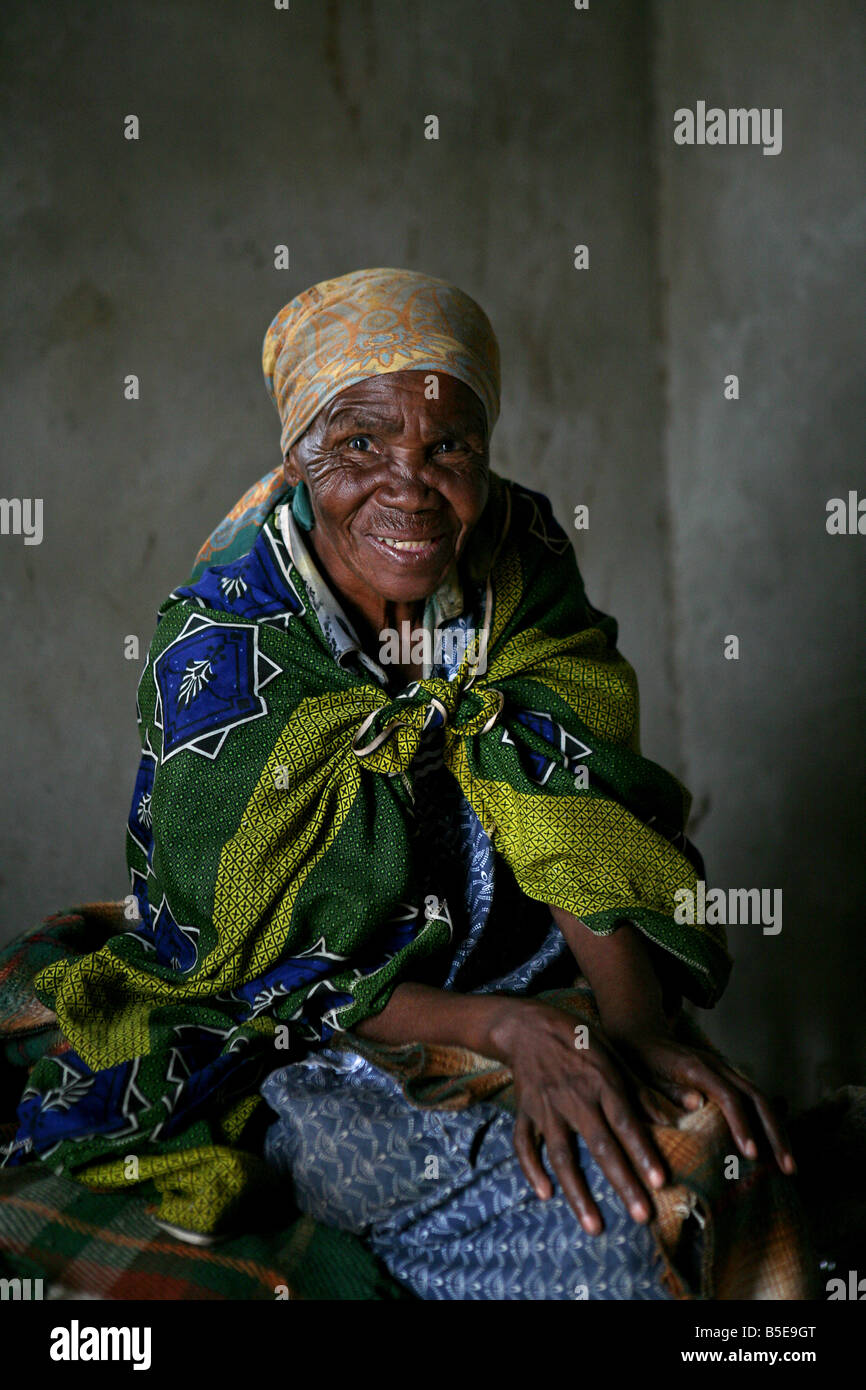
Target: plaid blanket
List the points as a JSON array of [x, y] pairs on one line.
[[108, 1245], [102, 1245]]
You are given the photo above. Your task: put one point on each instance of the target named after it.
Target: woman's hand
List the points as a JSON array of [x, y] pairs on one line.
[[562, 1089], [630, 1002], [687, 1075]]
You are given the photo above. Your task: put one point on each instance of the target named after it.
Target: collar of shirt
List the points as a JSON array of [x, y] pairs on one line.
[[446, 603]]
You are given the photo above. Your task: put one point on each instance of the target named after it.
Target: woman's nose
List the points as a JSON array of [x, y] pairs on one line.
[[409, 473]]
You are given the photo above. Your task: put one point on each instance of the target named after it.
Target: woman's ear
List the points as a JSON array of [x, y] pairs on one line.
[[291, 472]]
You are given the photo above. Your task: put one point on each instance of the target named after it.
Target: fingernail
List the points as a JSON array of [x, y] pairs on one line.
[[790, 1165], [639, 1211], [657, 1178], [750, 1149]]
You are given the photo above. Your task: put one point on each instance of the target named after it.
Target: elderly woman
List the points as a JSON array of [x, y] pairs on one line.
[[368, 863]]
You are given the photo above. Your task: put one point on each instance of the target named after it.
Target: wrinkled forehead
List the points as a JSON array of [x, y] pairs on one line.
[[394, 401]]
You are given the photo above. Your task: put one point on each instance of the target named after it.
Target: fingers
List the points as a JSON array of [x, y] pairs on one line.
[[664, 1083], [615, 1137], [618, 1142], [657, 1107], [626, 1155], [561, 1156], [686, 1097], [772, 1127], [731, 1098], [632, 1135], [526, 1148], [655, 1099], [729, 1101]]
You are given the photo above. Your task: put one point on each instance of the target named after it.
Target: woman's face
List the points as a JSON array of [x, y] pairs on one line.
[[396, 481]]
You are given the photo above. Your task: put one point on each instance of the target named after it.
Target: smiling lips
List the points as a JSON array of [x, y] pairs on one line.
[[408, 545], [422, 547]]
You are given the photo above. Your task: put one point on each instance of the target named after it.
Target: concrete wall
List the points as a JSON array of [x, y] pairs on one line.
[[762, 261], [307, 127]]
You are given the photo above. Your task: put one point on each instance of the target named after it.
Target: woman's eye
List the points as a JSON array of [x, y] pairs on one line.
[[448, 445], [360, 443]]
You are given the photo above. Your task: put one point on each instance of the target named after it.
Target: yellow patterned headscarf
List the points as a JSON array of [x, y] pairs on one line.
[[369, 323]]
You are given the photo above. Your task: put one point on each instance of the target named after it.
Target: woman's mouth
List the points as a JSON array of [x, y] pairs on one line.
[[421, 548]]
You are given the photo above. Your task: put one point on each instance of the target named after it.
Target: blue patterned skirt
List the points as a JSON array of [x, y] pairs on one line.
[[440, 1197]]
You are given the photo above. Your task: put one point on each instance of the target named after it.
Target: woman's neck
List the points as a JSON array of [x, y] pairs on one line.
[[385, 627]]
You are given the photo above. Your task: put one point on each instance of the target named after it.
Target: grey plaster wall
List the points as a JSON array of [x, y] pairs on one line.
[[763, 263], [306, 127]]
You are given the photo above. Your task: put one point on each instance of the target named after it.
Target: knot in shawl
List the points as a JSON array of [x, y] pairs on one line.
[[389, 737]]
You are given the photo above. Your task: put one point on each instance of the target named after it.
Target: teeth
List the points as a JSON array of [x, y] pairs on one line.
[[403, 545]]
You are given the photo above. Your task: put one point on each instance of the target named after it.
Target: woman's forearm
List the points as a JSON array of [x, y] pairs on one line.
[[422, 1013], [618, 967], [620, 970]]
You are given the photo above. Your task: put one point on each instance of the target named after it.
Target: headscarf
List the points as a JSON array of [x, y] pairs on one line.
[[370, 323], [364, 324]]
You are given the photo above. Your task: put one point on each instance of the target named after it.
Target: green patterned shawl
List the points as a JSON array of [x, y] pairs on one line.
[[269, 847]]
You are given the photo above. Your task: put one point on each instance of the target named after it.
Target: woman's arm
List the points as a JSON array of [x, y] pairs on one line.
[[632, 1010], [625, 984], [626, 987], [422, 1013]]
